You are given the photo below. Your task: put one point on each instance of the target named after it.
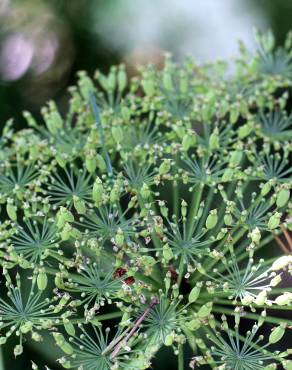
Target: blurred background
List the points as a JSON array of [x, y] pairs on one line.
[[43, 43]]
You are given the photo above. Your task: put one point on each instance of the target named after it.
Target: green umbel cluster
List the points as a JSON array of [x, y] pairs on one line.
[[141, 218]]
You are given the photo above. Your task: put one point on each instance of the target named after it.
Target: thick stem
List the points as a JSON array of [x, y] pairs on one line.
[[181, 358]]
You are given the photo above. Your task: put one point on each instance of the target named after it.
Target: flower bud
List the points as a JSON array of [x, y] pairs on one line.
[[18, 350]]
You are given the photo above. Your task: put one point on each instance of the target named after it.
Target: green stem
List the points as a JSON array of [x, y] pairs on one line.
[[195, 203], [253, 316], [180, 271], [181, 358], [104, 317], [2, 367]]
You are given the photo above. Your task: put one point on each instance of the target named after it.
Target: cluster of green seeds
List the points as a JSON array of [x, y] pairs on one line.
[[152, 214]]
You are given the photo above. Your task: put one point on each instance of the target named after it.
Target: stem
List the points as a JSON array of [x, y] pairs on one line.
[[2, 367], [180, 270], [175, 190], [101, 133], [180, 358], [196, 199], [253, 316], [136, 326]]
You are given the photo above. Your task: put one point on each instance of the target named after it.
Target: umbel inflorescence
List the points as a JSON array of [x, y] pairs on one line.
[[141, 218]]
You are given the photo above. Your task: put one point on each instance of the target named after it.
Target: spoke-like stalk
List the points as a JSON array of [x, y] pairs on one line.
[[196, 199]]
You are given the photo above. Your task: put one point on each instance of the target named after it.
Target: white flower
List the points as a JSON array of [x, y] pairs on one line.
[[282, 262]]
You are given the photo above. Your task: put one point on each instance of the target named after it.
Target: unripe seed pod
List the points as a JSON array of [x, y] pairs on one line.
[[111, 80], [91, 162], [97, 191], [119, 238], [212, 219], [79, 205], [126, 113], [277, 334], [194, 294], [101, 163], [189, 140], [214, 140], [26, 327], [244, 131], [148, 86], [169, 339], [11, 211], [145, 191], [167, 253], [54, 122], [227, 175], [63, 216], [75, 233], [274, 221], [167, 81], [66, 232], [282, 197], [235, 158], [42, 281], [193, 324], [164, 167], [205, 310], [117, 133], [228, 219], [61, 160], [266, 188], [122, 79], [255, 235], [69, 327]]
